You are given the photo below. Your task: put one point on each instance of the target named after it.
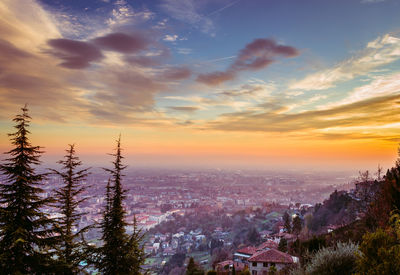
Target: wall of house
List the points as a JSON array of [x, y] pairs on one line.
[[261, 270]]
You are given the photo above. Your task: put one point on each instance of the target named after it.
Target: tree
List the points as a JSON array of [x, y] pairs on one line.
[[340, 259], [26, 232], [380, 250], [296, 228], [220, 254], [253, 236], [282, 245], [120, 253], [287, 222], [71, 251], [192, 268]]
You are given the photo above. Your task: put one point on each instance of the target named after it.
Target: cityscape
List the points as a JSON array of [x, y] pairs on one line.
[[199, 137]]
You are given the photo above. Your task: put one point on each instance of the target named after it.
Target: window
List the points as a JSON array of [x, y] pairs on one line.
[[254, 264], [265, 264]]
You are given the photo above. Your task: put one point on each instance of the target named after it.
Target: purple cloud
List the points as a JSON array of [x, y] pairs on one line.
[[122, 42], [177, 73], [255, 56], [75, 54]]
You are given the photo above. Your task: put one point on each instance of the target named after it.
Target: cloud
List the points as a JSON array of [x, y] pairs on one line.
[[249, 90], [184, 51], [75, 54], [124, 14], [367, 113], [381, 51], [143, 61], [122, 42], [9, 51], [380, 86], [255, 56], [371, 1], [216, 78], [170, 37], [188, 11], [109, 91], [188, 109], [80, 54], [176, 73]]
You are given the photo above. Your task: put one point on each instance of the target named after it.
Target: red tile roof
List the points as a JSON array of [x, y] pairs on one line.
[[224, 263], [249, 250], [238, 266], [271, 256], [267, 244]]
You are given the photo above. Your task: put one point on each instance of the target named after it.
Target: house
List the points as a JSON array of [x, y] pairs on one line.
[[169, 251], [261, 262], [244, 253], [267, 245], [226, 267]]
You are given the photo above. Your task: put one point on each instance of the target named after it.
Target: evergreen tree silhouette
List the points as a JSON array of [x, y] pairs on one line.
[[121, 253], [71, 251], [27, 234]]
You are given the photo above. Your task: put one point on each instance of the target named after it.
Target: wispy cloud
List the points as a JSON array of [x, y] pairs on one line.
[[381, 51], [188, 109], [369, 113], [188, 11], [381, 86], [371, 1]]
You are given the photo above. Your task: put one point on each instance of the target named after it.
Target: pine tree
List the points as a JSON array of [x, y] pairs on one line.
[[191, 267], [297, 225], [72, 250], [120, 253], [287, 222], [26, 232]]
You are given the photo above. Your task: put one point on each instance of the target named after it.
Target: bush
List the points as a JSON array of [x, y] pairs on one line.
[[332, 261], [380, 254]]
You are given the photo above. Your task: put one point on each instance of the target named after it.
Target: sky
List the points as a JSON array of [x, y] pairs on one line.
[[288, 84]]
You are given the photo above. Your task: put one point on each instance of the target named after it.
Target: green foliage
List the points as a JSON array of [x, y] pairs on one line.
[[331, 261], [26, 233], [337, 260], [120, 253], [193, 269], [380, 254], [176, 260], [71, 250], [334, 210]]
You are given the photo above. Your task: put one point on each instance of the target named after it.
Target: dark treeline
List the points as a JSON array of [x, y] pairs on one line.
[[369, 241], [33, 243]]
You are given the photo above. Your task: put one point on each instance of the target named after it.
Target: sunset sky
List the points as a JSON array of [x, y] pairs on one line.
[[305, 84]]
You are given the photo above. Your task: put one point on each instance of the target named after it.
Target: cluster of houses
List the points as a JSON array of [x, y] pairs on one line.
[[258, 259], [168, 244]]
